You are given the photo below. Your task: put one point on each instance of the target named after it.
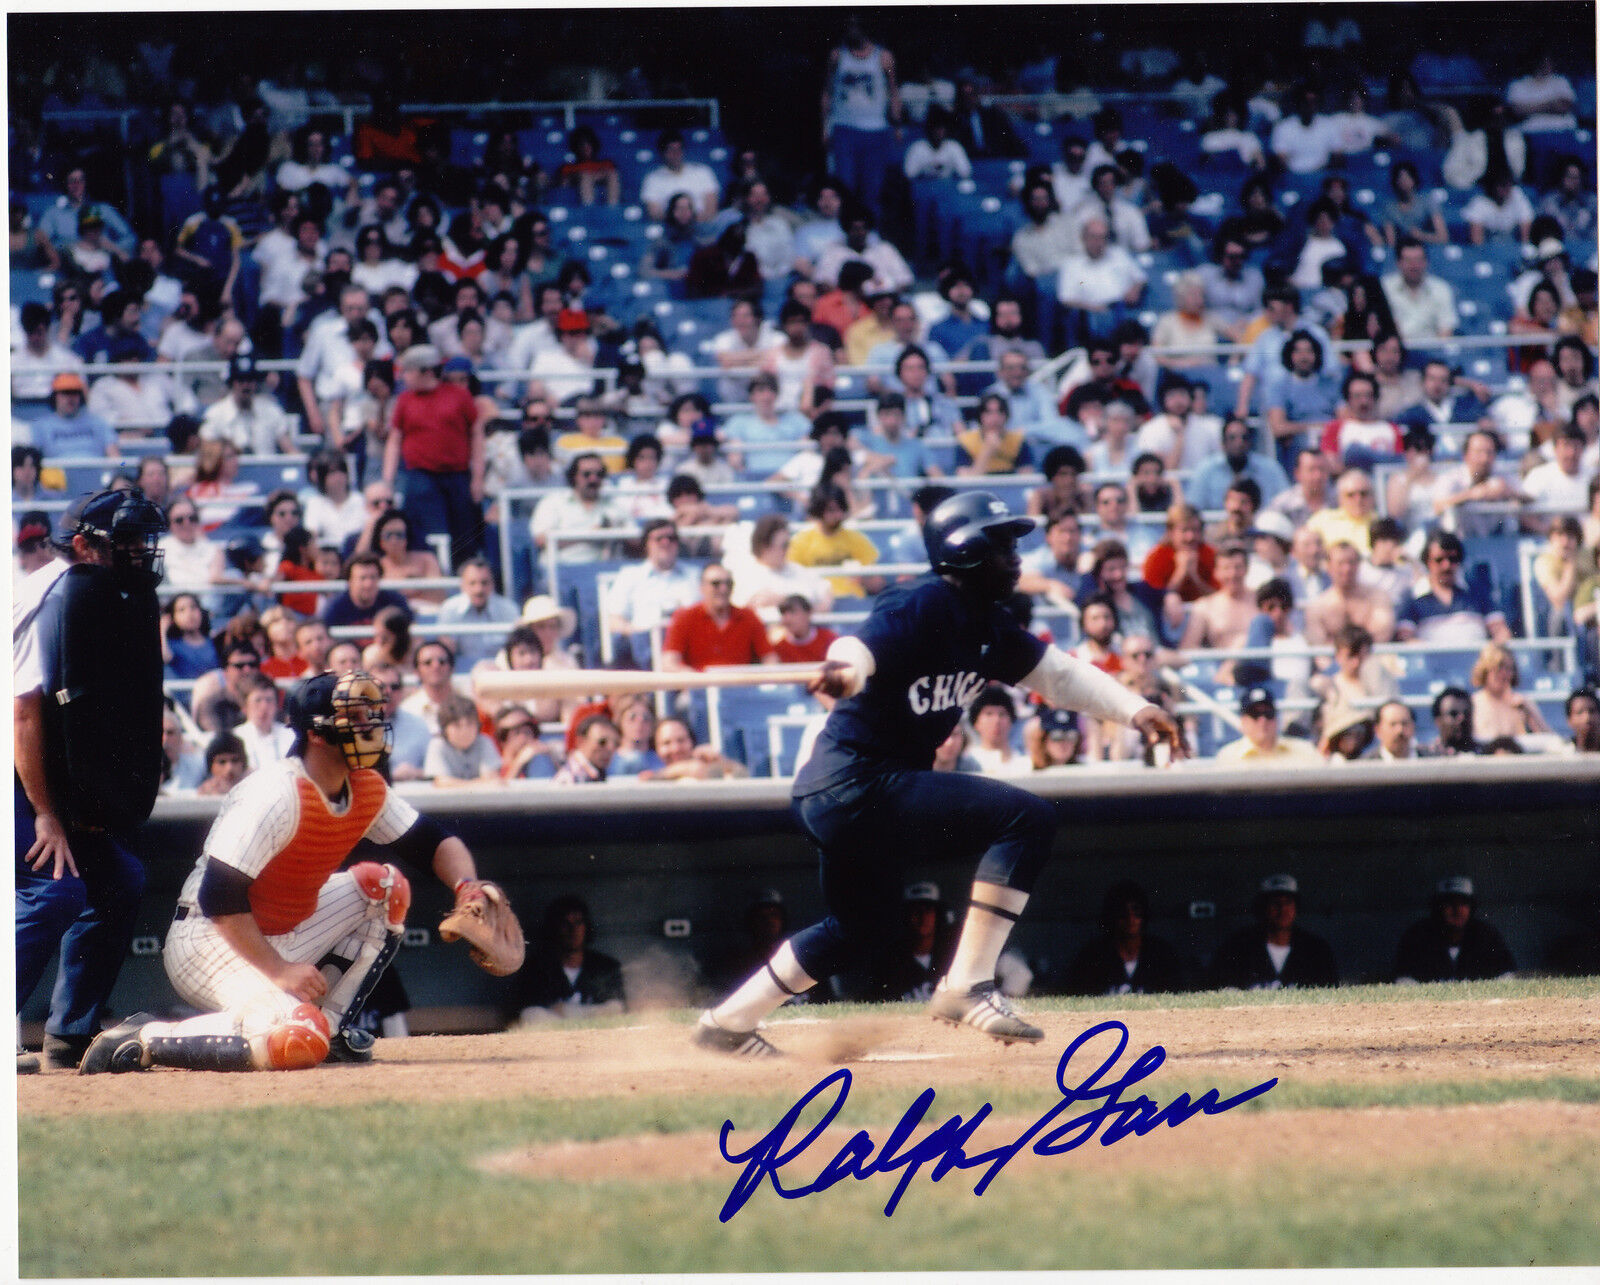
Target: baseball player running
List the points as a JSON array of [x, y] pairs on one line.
[[278, 949], [867, 793]]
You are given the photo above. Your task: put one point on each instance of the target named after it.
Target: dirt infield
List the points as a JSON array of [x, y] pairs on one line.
[[1393, 1043]]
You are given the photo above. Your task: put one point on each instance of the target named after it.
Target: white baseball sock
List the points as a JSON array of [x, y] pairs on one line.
[[766, 990], [990, 915]]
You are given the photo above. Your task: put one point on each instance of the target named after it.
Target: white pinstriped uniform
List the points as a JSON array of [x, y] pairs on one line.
[[260, 817]]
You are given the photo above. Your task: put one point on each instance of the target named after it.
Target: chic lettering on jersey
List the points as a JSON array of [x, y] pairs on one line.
[[945, 1146], [932, 694]]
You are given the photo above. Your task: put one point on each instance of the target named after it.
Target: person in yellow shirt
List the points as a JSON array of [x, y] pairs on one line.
[[873, 327], [827, 542], [993, 446], [1350, 520], [593, 434], [1261, 742]]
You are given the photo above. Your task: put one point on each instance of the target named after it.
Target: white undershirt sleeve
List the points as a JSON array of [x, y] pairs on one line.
[[1069, 683]]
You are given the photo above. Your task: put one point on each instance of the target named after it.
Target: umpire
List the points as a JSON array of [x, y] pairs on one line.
[[87, 706]]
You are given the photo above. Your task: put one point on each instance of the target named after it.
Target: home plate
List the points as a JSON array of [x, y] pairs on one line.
[[904, 1057]]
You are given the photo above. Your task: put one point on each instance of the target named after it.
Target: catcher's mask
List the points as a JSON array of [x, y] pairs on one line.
[[346, 710]]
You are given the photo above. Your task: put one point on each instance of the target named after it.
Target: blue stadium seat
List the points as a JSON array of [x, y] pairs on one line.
[[467, 146], [743, 714], [28, 286]]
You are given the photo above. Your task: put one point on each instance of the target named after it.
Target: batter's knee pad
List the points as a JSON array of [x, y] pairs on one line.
[[384, 885], [297, 1043]]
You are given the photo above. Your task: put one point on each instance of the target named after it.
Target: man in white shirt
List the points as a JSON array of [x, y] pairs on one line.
[[1424, 307], [255, 424], [767, 233], [566, 371], [1558, 486], [1305, 142], [1126, 225], [676, 175], [265, 739], [1071, 174], [476, 604], [39, 358], [1395, 736], [328, 351], [1543, 100], [938, 155], [283, 272], [647, 592], [130, 399], [860, 243], [579, 508], [1102, 278], [743, 346]]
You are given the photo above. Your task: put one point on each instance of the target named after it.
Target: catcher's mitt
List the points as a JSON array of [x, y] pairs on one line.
[[483, 915]]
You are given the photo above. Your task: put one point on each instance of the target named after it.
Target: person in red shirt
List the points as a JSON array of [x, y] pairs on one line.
[[298, 563], [802, 641], [842, 307], [282, 659], [434, 455], [713, 631], [1182, 563]]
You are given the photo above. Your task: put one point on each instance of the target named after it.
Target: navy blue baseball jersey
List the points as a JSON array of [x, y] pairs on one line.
[[936, 648]]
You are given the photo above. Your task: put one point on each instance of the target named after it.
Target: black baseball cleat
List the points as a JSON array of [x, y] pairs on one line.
[[27, 1063], [351, 1044], [64, 1052], [118, 1049], [708, 1035]]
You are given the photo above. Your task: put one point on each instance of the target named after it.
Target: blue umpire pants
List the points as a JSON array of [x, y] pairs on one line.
[[91, 918], [861, 829]]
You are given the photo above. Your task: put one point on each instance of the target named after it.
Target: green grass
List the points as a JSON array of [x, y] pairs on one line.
[[369, 1191], [395, 1189]]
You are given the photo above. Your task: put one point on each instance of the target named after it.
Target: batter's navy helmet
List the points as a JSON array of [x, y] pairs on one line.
[[961, 531]]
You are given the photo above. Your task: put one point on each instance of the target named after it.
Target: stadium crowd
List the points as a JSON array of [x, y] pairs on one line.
[[418, 401]]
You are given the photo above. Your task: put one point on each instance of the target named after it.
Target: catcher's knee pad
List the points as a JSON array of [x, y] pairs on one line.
[[384, 885], [298, 1042]]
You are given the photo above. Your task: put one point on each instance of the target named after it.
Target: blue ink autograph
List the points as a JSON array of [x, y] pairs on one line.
[[861, 1158]]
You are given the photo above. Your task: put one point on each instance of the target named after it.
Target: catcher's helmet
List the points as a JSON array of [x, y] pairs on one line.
[[131, 524], [347, 710], [962, 531]]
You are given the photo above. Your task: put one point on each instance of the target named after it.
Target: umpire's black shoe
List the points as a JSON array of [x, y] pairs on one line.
[[118, 1049], [27, 1063], [65, 1052], [351, 1044]]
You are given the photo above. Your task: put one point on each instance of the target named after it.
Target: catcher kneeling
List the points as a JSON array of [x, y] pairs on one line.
[[281, 951]]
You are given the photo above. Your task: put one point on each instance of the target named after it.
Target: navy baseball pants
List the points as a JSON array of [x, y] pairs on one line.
[[91, 918], [863, 827]]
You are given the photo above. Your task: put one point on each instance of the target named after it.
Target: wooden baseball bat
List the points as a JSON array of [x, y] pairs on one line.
[[1203, 698], [548, 684]]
